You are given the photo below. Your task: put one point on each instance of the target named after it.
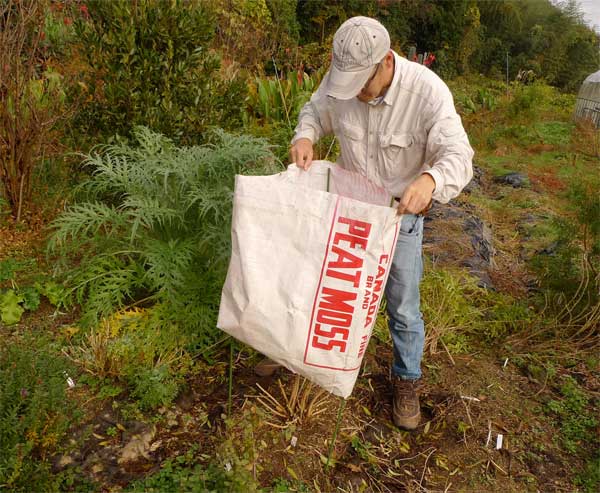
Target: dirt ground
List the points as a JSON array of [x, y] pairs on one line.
[[469, 401]]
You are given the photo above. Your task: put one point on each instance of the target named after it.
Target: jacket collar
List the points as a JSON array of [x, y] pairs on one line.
[[390, 95]]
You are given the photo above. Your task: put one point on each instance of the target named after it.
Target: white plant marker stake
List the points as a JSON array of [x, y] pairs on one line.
[[499, 440], [489, 437]]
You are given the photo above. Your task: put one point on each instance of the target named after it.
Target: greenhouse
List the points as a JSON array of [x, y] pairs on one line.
[[588, 100]]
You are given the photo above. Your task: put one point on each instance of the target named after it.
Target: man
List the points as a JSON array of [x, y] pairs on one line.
[[396, 124]]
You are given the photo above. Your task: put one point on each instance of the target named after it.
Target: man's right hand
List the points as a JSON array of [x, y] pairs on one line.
[[301, 153]]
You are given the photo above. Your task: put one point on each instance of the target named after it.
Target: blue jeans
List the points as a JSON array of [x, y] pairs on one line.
[[403, 299]]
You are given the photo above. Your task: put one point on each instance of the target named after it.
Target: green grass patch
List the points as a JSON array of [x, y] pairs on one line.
[[500, 165], [574, 416], [554, 133], [589, 478]]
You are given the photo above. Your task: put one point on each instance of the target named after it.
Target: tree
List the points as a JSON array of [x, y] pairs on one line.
[[31, 99]]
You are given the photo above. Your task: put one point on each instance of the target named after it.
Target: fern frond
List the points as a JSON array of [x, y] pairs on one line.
[[167, 265], [148, 212], [105, 284], [84, 221], [151, 143]]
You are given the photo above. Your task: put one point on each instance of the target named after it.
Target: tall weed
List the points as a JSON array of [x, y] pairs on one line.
[[281, 99], [569, 273]]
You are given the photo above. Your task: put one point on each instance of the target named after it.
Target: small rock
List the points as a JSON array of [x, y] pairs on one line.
[[186, 399], [514, 179], [138, 446], [62, 462], [172, 421], [108, 418]]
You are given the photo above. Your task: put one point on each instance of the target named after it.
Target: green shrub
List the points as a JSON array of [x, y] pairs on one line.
[[522, 135], [487, 99], [154, 387], [529, 100], [156, 226], [150, 65], [58, 30], [555, 133], [279, 135], [34, 413]]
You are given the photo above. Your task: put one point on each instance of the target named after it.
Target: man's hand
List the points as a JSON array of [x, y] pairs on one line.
[[301, 153], [417, 196]]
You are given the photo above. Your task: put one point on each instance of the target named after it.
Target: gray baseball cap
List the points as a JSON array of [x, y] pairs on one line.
[[358, 45]]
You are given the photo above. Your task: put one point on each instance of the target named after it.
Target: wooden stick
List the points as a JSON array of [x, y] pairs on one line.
[[230, 392]]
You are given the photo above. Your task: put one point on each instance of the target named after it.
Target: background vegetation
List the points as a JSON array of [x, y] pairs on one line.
[[122, 126]]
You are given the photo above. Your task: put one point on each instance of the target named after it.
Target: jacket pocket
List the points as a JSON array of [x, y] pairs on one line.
[[352, 144], [400, 153], [352, 131], [396, 142]]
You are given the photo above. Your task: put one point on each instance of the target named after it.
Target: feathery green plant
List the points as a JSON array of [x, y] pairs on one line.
[[156, 226]]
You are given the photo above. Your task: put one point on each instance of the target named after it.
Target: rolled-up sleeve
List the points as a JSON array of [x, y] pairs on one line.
[[314, 120], [448, 150]]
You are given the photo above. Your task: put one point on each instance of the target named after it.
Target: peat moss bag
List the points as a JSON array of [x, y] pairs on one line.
[[311, 252]]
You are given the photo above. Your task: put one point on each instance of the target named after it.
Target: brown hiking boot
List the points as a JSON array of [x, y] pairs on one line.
[[406, 410], [266, 367]]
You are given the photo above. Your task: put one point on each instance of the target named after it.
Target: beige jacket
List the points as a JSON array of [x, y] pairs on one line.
[[413, 130]]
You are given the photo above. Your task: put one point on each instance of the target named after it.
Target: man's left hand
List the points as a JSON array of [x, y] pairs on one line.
[[417, 196]]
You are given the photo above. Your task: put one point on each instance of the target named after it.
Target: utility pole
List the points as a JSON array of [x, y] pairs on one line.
[[507, 72]]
